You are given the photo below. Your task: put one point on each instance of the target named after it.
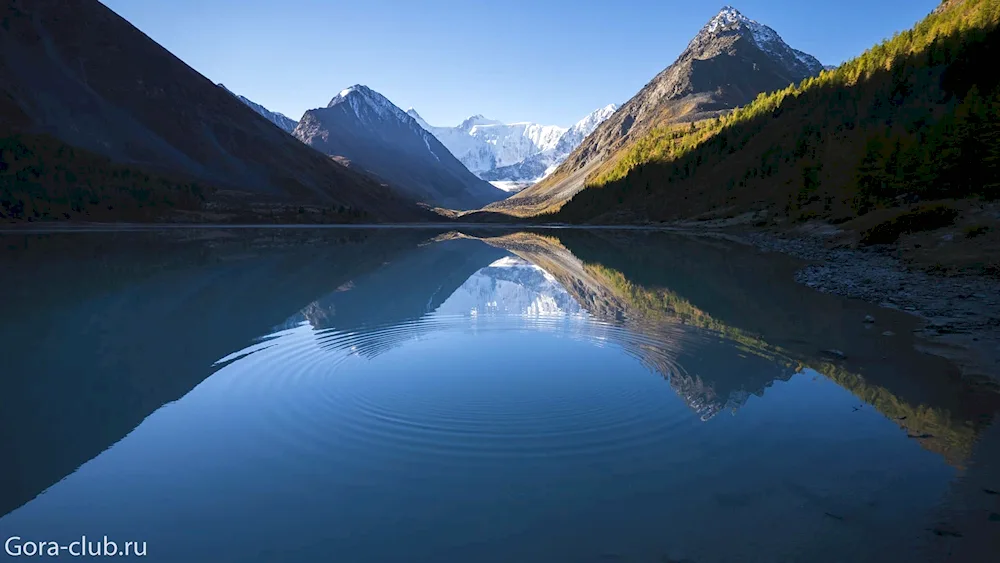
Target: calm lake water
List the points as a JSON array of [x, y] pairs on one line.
[[414, 395]]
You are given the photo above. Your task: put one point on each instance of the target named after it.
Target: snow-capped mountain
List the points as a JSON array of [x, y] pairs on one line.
[[286, 123], [727, 64], [536, 167], [579, 131], [364, 127], [512, 156], [470, 150], [730, 21], [484, 144]]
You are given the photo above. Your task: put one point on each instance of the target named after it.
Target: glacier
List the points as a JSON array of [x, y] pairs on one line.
[[512, 156]]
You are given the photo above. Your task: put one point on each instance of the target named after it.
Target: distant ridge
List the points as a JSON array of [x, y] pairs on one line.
[[286, 123], [363, 126]]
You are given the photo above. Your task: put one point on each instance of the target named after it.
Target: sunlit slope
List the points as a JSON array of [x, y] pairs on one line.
[[918, 114], [725, 65]]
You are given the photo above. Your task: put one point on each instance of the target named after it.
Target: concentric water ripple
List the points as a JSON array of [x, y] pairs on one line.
[[524, 416], [326, 392]]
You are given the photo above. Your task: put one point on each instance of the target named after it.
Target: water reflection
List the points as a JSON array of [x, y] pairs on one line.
[[420, 396], [511, 286]]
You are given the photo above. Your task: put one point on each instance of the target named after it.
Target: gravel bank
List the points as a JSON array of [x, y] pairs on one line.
[[962, 313]]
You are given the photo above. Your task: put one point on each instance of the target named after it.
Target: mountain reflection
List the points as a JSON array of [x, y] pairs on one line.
[[108, 328], [666, 287], [511, 286]]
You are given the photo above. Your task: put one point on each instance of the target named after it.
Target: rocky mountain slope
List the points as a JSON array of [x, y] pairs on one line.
[[102, 112], [727, 64], [904, 139], [368, 130], [286, 123], [516, 155]]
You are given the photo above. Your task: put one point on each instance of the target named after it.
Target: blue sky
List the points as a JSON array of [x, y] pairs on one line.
[[548, 61]]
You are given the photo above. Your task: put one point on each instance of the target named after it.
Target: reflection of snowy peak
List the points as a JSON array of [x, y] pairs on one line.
[[510, 286], [515, 153]]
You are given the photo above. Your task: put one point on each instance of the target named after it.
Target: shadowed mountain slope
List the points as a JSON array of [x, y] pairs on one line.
[[101, 121], [367, 129]]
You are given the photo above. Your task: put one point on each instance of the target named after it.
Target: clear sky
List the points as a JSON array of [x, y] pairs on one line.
[[548, 61]]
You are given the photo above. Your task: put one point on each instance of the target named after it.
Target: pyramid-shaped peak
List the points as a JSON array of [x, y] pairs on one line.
[[729, 21], [363, 100], [728, 18], [357, 90]]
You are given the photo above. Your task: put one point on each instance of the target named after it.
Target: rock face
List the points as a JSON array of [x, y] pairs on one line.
[[367, 129], [727, 64], [515, 155], [76, 71], [286, 123]]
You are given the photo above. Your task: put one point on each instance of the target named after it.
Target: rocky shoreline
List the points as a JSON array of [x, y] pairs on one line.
[[961, 313]]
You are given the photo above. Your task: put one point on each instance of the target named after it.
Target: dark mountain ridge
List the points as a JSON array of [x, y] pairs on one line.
[[83, 91], [367, 129]]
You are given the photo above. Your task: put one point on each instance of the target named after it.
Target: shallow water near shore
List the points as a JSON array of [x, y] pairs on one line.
[[420, 395]]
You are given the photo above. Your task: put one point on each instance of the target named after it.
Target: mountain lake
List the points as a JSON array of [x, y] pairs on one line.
[[473, 395]]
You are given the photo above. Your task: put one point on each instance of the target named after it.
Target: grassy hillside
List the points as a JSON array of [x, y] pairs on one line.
[[42, 178], [915, 117]]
